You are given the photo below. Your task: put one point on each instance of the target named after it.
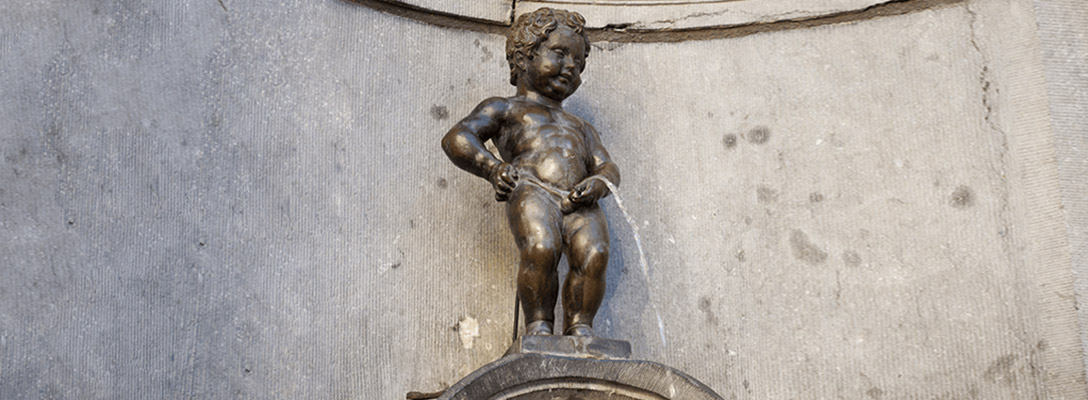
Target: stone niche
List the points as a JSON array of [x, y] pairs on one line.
[[246, 199]]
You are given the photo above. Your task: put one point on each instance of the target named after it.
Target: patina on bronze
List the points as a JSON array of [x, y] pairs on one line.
[[552, 172]]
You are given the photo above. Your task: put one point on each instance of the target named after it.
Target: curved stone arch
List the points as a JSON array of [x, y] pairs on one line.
[[494, 11], [643, 14], [655, 20], [694, 14]]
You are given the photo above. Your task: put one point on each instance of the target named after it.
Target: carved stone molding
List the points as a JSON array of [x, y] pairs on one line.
[[690, 14], [643, 15], [495, 11]]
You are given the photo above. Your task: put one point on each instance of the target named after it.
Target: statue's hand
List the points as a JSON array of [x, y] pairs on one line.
[[504, 178], [588, 191], [566, 206]]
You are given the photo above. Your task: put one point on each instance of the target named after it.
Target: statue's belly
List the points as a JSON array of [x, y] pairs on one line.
[[554, 156]]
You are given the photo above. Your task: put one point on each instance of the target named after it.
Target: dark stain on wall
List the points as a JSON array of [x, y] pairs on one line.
[[729, 140], [962, 197], [804, 250], [766, 195], [759, 135], [439, 113], [851, 258]]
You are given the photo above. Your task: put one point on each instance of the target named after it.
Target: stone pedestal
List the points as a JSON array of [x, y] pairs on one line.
[[572, 346], [568, 367]]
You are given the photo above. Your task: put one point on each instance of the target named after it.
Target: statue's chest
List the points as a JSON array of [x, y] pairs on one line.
[[540, 130]]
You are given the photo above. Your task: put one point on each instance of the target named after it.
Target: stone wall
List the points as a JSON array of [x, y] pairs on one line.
[[247, 199]]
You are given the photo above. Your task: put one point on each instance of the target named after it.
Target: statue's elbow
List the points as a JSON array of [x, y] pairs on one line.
[[612, 171], [449, 143]]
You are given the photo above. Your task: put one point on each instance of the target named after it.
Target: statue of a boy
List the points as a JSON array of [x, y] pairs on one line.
[[554, 171]]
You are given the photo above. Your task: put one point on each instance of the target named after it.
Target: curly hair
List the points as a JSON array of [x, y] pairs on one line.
[[533, 28]]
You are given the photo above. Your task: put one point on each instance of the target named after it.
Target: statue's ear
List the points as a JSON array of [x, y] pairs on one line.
[[521, 60]]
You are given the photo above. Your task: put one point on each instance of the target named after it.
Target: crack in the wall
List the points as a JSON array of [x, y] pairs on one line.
[[663, 35], [690, 16], [984, 73], [987, 88], [886, 9], [1003, 191]]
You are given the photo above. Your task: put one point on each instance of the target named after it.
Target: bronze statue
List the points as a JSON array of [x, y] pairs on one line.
[[553, 170]]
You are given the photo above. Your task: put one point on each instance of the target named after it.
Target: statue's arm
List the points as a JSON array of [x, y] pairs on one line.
[[464, 143], [602, 164]]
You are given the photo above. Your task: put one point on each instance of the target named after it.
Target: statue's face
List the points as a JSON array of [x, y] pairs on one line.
[[556, 68]]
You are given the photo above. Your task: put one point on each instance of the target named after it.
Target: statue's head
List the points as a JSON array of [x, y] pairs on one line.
[[527, 56]]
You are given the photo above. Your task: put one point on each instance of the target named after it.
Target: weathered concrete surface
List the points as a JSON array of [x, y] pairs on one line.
[[1063, 27], [239, 199], [241, 202]]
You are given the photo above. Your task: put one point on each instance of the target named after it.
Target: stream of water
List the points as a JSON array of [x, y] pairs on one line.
[[641, 255]]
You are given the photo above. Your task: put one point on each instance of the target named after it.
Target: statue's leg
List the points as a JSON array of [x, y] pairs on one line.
[[535, 221], [586, 235]]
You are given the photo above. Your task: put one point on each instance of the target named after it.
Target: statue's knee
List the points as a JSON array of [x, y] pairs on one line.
[[542, 251], [595, 259]]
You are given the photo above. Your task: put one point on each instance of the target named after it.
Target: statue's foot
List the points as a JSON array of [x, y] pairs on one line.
[[539, 328], [580, 330]]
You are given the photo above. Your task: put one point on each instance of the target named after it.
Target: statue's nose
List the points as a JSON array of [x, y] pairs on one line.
[[569, 64]]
